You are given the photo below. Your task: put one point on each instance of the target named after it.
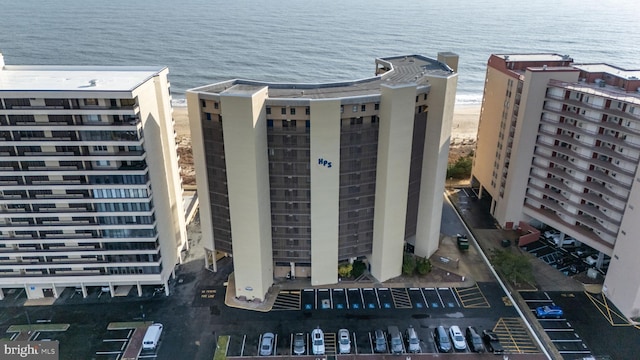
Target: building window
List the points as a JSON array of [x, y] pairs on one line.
[[376, 106], [307, 111], [355, 108], [93, 102], [269, 123], [374, 119], [207, 116], [292, 111], [341, 109], [425, 97], [363, 108], [307, 124], [268, 110], [215, 105], [204, 103], [283, 111]]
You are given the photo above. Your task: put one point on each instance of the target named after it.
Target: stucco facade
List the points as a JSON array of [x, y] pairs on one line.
[[340, 167]]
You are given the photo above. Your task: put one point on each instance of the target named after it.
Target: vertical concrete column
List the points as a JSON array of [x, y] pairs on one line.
[[440, 102], [84, 291], [397, 108], [139, 287], [202, 180], [245, 143], [54, 290], [325, 190], [1, 294]]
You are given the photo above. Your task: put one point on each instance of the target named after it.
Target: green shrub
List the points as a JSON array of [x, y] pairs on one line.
[[423, 266], [408, 264], [461, 169], [358, 268], [345, 270]]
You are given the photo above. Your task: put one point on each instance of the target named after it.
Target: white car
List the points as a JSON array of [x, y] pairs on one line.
[[457, 338], [317, 341], [345, 341]]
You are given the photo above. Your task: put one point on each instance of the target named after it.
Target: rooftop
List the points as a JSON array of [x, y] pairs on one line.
[[409, 69], [609, 69], [74, 78], [533, 57]]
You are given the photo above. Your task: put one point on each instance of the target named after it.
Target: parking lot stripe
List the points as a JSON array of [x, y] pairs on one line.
[[377, 297], [603, 305]]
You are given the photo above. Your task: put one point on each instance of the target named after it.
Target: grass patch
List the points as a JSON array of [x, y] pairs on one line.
[[38, 327], [128, 325], [221, 348]]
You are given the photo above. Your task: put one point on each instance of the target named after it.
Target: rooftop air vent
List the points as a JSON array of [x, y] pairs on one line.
[[93, 82]]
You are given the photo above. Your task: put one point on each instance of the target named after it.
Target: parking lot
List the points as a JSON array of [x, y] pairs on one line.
[[569, 261], [381, 298], [562, 334]]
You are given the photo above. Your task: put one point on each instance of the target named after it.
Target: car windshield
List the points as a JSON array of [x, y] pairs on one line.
[[265, 347], [458, 338], [344, 340], [413, 341]]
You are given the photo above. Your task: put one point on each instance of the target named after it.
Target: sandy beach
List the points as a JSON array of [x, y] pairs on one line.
[[463, 136]]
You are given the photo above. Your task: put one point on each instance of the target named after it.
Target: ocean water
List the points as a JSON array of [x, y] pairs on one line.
[[206, 41]]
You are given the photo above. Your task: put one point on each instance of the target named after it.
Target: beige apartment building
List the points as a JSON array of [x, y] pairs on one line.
[[90, 188], [297, 178], [559, 146]]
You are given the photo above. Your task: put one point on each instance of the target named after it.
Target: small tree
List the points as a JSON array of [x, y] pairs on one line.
[[408, 264], [461, 169], [515, 267], [423, 266]]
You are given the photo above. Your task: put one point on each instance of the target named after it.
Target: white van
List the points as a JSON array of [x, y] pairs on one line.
[[151, 337]]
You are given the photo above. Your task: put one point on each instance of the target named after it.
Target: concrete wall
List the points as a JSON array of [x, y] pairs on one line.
[[202, 180], [397, 107], [325, 190], [621, 285], [441, 100], [245, 142]]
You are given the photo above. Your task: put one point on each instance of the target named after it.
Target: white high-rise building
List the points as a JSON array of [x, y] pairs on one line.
[[90, 188]]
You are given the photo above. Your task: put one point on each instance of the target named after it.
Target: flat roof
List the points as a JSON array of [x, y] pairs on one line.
[[403, 69], [533, 57], [609, 69], [74, 78]]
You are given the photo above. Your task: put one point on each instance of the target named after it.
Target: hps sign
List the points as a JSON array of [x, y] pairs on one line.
[[324, 162]]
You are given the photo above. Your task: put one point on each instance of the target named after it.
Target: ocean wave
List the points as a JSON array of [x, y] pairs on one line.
[[469, 99], [178, 102]]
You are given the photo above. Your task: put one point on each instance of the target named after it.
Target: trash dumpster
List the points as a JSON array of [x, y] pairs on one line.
[[463, 242]]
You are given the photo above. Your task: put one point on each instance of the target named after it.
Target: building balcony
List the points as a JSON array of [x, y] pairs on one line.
[[77, 238]]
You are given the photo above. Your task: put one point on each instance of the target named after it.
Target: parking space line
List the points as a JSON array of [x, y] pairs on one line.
[[401, 299], [244, 341], [440, 297], [355, 343], [472, 297], [377, 297], [454, 296], [603, 305], [346, 298], [362, 297], [514, 336]]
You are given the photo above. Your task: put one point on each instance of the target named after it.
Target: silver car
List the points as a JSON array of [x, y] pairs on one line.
[[299, 346], [344, 340], [266, 346]]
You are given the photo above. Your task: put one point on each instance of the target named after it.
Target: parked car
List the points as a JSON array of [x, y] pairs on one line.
[[413, 342], [395, 340], [299, 346], [592, 260], [441, 338], [266, 346], [550, 311], [549, 234], [457, 338], [474, 340], [317, 341], [344, 341], [380, 341], [491, 342], [567, 241]]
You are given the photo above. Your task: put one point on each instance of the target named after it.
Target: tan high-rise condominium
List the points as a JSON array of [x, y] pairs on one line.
[[559, 147], [90, 188], [297, 178]]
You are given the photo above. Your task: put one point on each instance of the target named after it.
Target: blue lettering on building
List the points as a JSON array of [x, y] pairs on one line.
[[324, 162]]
